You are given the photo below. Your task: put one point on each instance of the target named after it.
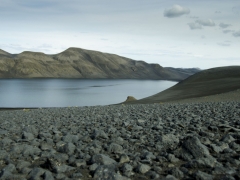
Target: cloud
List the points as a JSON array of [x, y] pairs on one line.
[[218, 12], [224, 44], [176, 11], [194, 26], [194, 17], [236, 34], [205, 22], [236, 9], [223, 25], [227, 31]]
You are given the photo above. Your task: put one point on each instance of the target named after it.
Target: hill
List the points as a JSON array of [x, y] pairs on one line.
[[81, 63], [213, 83]]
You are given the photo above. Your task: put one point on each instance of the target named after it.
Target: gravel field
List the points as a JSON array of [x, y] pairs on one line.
[[119, 142]]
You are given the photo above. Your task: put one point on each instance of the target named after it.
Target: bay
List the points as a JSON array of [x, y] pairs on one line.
[[30, 93]]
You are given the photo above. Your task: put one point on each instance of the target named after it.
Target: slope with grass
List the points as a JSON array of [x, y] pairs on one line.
[[214, 83]]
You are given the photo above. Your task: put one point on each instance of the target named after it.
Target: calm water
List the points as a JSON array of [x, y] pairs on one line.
[[74, 92]]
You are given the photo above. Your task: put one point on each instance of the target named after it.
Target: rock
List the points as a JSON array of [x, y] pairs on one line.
[[127, 168], [168, 141], [36, 173], [148, 155], [103, 159], [79, 163], [5, 142], [69, 138], [63, 168], [107, 172], [216, 148], [22, 164], [124, 158], [172, 158], [208, 162], [130, 98], [68, 148], [228, 138], [45, 146], [199, 175], [4, 174], [170, 177], [93, 167], [195, 147], [76, 175], [31, 129], [10, 168], [99, 134], [176, 172], [143, 168], [48, 175], [115, 148], [28, 136]]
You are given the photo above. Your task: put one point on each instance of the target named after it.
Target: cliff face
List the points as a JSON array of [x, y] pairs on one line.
[[80, 63]]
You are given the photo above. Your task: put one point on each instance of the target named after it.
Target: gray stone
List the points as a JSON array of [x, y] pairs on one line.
[[143, 168], [170, 177], [63, 168], [102, 159], [199, 175], [79, 163], [69, 138], [107, 172], [10, 167], [115, 148], [76, 175], [22, 164], [28, 136], [99, 134], [168, 141], [45, 146], [127, 168], [208, 162], [68, 148], [195, 147], [5, 174], [227, 138], [176, 172], [48, 175], [36, 173], [93, 167], [172, 158], [124, 158]]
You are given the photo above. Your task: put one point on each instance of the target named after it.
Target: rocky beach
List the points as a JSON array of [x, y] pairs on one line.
[[198, 140]]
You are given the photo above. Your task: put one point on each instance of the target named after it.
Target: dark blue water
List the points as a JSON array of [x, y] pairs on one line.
[[74, 92]]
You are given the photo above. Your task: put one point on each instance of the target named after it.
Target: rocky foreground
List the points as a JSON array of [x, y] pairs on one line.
[[157, 141]]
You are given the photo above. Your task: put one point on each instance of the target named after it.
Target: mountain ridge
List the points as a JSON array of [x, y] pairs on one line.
[[81, 63]]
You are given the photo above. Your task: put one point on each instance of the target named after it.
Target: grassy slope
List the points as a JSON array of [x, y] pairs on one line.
[[205, 83]]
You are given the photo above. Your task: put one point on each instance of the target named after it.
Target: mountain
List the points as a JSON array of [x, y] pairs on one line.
[[211, 82], [187, 71], [81, 63]]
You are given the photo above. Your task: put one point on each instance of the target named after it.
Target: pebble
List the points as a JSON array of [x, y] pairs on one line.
[[151, 141]]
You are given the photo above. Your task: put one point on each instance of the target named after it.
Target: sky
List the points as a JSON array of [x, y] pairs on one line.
[[183, 33]]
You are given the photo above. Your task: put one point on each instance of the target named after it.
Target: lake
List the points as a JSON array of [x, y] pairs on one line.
[[74, 92]]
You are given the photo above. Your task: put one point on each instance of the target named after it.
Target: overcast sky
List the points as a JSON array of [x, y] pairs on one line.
[[183, 33]]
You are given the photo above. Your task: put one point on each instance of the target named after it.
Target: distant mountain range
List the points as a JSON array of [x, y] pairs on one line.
[[87, 64]]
